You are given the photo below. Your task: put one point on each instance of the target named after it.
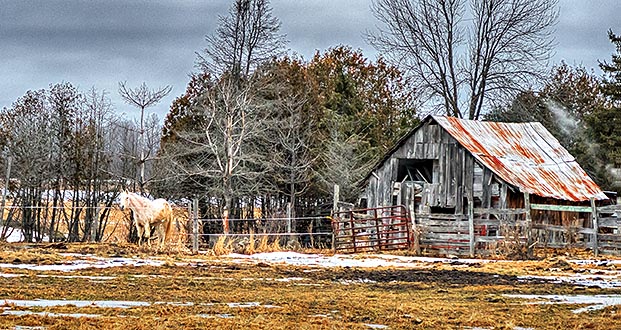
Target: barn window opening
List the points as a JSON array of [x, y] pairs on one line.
[[415, 170], [441, 210]]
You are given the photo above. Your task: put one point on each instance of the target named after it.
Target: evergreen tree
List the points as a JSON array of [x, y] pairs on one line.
[[605, 122]]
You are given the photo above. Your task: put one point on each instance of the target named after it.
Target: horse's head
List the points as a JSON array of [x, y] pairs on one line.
[[123, 196]]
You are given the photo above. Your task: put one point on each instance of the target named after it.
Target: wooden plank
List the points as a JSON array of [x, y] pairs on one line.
[[494, 211], [451, 168], [610, 238], [563, 229], [436, 242], [465, 238], [440, 222], [529, 225], [595, 226], [468, 178], [460, 208], [492, 239], [562, 208], [471, 231], [498, 223], [486, 186], [609, 222], [609, 208]]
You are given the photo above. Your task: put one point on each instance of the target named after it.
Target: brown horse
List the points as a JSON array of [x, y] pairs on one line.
[[149, 213]]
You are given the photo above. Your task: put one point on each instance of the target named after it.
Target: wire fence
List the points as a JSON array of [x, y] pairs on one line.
[[191, 230]]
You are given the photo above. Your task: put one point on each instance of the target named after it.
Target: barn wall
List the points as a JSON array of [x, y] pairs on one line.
[[454, 172]]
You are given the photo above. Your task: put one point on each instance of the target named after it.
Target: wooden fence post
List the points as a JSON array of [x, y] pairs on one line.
[[194, 215], [471, 226], [335, 209], [289, 221], [529, 226], [595, 227], [414, 229]]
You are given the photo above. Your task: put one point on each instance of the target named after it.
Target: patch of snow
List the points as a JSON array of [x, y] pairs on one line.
[[91, 262], [357, 281], [76, 303], [16, 235], [25, 327], [596, 302], [586, 280], [117, 303], [92, 278], [342, 260], [7, 275], [47, 314], [376, 326], [595, 262]]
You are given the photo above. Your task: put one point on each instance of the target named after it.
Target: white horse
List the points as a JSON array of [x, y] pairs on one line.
[[149, 213]]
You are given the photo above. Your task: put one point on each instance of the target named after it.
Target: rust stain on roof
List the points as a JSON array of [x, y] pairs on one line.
[[525, 155]]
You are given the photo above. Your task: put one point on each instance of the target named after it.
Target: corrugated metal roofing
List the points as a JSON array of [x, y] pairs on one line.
[[525, 155]]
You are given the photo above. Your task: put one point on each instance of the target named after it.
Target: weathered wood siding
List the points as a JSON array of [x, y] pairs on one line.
[[455, 176], [466, 207]]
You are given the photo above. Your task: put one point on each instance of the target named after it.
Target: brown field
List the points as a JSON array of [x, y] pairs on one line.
[[194, 291]]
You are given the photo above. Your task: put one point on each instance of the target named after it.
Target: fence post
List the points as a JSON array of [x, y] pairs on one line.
[[471, 226], [595, 227], [194, 215], [415, 238], [335, 209], [529, 226], [289, 220]]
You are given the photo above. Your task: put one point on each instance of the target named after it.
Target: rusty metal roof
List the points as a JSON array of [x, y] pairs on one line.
[[525, 155]]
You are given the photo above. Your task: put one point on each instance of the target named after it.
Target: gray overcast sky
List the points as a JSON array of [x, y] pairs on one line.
[[101, 42]]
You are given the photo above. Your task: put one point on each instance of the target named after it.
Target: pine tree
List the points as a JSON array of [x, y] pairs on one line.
[[605, 122]]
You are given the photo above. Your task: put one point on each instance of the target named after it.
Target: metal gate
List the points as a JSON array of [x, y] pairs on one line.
[[375, 229]]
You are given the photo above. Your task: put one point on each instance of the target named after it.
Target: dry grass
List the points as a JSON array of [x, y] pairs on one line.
[[436, 296]]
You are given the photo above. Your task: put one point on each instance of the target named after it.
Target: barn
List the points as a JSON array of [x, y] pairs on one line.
[[476, 185]]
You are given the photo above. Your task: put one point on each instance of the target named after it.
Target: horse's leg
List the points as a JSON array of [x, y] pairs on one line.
[[161, 232], [147, 232], [140, 231]]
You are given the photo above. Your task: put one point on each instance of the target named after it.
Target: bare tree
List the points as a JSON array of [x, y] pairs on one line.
[[217, 153], [247, 37], [142, 97], [466, 61]]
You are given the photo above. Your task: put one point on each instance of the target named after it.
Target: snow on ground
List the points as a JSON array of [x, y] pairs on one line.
[[16, 236], [602, 278], [585, 280], [595, 302], [347, 260], [88, 261], [45, 303]]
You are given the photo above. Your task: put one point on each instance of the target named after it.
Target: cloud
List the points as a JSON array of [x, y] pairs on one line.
[[101, 42]]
